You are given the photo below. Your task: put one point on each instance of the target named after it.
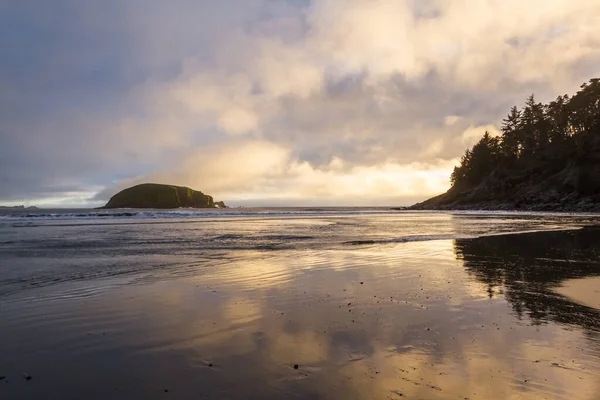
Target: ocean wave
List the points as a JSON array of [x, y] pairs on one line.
[[425, 238], [182, 213], [404, 239], [103, 215], [190, 213]]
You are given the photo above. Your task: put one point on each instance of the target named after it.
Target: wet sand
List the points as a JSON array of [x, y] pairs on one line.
[[584, 291], [271, 309]]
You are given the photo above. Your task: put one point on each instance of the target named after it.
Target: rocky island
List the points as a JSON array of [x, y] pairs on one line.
[[153, 195], [546, 159]]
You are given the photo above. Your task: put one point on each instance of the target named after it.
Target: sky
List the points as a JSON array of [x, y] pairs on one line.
[[271, 102]]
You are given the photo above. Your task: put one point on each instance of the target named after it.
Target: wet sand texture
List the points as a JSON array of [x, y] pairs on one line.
[[584, 291], [328, 307]]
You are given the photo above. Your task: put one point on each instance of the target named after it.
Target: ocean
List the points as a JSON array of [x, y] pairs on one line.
[[296, 303]]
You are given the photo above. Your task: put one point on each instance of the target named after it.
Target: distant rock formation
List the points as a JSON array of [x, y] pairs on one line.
[[153, 195], [220, 204]]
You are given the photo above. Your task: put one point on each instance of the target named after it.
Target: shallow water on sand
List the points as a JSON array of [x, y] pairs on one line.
[[366, 304]]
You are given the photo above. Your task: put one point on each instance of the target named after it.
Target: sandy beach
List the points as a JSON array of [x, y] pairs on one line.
[[296, 304], [584, 291]]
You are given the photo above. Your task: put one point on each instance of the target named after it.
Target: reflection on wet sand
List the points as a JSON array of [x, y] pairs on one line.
[[474, 318], [527, 267]]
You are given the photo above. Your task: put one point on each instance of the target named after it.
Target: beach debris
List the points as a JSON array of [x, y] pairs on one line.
[[296, 366], [166, 390], [210, 364], [27, 377], [2, 377], [557, 365]]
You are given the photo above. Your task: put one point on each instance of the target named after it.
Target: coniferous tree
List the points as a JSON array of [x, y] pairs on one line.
[[511, 144], [541, 136]]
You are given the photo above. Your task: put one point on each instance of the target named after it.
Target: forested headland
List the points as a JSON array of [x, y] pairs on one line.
[[546, 158]]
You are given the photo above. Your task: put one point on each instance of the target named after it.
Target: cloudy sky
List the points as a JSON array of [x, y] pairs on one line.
[[274, 102]]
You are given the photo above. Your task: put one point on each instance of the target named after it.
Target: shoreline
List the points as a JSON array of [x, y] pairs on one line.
[[588, 208], [585, 291], [460, 201]]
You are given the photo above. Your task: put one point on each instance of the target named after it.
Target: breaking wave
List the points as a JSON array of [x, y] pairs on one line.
[[177, 214], [406, 239]]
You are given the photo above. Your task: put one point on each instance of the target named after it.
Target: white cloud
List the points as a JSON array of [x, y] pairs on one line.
[[262, 170], [276, 99], [451, 119], [237, 121], [473, 133]]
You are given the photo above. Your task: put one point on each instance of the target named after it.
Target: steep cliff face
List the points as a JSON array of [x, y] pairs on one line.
[[152, 195]]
